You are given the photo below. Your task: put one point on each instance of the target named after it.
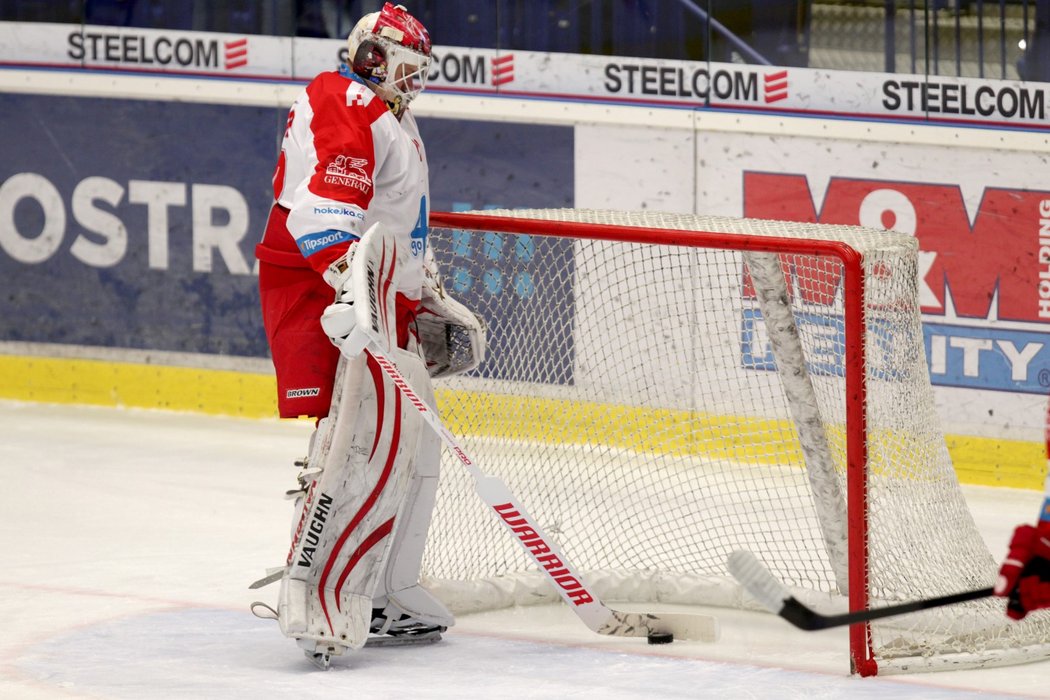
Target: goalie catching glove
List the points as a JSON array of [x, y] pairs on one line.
[[452, 336], [1025, 574]]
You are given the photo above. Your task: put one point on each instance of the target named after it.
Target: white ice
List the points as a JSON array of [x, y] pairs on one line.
[[129, 538]]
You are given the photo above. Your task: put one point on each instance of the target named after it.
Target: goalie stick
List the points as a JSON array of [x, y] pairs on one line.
[[375, 266], [774, 595], [567, 581]]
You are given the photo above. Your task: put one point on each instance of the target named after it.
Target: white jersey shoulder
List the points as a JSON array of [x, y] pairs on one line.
[[347, 163]]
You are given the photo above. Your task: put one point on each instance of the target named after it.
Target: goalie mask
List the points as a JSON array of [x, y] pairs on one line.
[[391, 50]]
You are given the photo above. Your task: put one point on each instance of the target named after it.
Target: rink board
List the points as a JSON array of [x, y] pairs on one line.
[[152, 242], [981, 461]]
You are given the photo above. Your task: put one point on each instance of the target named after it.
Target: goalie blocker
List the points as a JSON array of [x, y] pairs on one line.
[[369, 487]]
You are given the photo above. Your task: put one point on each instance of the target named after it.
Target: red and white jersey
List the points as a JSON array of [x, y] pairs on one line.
[[347, 162]]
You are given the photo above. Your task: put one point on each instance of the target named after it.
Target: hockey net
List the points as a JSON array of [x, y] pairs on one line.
[[653, 401]]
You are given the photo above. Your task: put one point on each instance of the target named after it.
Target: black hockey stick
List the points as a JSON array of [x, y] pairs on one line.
[[760, 583], [773, 594]]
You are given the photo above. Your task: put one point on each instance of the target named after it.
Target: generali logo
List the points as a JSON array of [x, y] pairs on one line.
[[236, 53], [502, 70], [347, 171], [776, 86]]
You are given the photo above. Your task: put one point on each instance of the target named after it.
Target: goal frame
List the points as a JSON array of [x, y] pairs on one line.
[[862, 657]]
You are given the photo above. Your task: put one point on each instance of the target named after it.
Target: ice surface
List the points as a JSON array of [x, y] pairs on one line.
[[130, 538]]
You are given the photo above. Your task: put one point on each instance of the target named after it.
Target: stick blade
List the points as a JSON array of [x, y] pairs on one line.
[[697, 628], [756, 580], [684, 626]]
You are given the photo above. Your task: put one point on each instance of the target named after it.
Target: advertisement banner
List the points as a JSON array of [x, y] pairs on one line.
[[536, 75], [132, 224], [982, 219], [136, 49], [146, 211]]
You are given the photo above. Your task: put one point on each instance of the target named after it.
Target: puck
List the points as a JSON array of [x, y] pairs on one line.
[[661, 638]]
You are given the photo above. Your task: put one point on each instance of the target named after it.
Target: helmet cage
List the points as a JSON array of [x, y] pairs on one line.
[[398, 72]]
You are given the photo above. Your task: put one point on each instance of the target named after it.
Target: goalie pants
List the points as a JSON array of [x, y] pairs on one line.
[[293, 296]]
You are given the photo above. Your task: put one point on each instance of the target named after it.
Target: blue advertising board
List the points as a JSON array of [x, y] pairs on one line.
[[132, 223]]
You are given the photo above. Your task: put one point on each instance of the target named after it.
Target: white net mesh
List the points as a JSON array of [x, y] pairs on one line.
[[631, 400]]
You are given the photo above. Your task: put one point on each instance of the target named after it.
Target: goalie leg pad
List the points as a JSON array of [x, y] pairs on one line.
[[400, 597], [342, 538]]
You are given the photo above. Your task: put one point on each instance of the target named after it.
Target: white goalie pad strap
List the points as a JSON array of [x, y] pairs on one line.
[[398, 591], [320, 440], [343, 536], [452, 336]]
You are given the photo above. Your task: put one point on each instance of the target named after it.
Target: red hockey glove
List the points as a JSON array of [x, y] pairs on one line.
[[1025, 574]]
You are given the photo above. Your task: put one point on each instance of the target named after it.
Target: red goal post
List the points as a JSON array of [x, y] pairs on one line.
[[713, 310]]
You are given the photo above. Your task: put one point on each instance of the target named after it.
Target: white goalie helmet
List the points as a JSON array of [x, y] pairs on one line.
[[391, 50]]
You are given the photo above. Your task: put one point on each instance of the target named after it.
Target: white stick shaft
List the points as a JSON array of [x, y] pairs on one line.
[[494, 492]]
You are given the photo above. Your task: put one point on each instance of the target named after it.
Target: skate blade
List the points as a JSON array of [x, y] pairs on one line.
[[321, 661], [319, 653], [379, 641], [272, 575]]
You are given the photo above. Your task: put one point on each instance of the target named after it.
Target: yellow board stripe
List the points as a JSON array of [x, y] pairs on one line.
[[993, 462], [101, 383], [977, 460], [559, 422]]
